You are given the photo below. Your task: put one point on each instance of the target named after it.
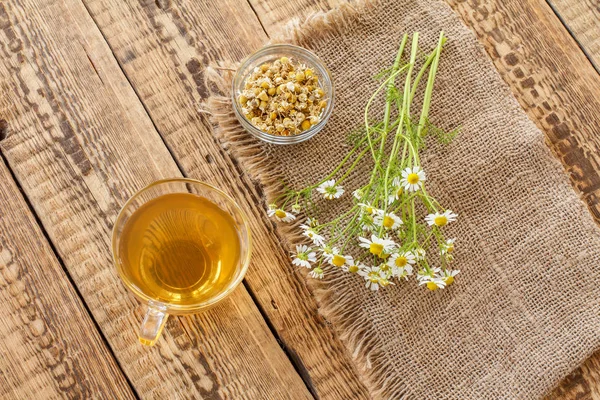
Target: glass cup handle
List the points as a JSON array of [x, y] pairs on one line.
[[153, 323]]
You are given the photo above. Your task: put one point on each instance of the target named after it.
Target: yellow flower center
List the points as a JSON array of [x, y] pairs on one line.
[[432, 286], [369, 210], [449, 280], [280, 214], [412, 178], [338, 260], [384, 267], [440, 220], [388, 221], [384, 282], [450, 248], [376, 248], [373, 277], [399, 192], [401, 261], [353, 269]]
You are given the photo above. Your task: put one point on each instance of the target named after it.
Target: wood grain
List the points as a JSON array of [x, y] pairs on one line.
[[164, 47], [551, 78], [80, 143], [553, 81], [273, 13], [49, 345], [582, 18], [581, 384]]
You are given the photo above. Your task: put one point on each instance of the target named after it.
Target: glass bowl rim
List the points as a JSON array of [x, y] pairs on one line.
[[276, 139]]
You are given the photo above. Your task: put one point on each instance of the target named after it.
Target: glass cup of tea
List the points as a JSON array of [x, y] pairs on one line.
[[180, 246]]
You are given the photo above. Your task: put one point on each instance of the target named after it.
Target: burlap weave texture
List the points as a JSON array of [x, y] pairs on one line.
[[524, 309]]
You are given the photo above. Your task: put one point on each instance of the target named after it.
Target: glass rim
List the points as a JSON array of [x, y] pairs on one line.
[[276, 139], [173, 308]]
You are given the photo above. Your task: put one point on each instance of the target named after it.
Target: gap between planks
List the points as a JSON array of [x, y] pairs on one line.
[[295, 361], [258, 18], [572, 34], [3, 132]]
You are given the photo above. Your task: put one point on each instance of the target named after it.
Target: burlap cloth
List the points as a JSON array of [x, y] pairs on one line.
[[524, 310]]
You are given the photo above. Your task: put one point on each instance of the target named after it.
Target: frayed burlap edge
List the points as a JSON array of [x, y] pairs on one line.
[[335, 304]]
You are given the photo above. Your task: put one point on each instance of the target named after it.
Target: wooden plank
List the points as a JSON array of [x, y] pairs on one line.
[[581, 384], [551, 78], [274, 13], [49, 345], [80, 144], [175, 41], [582, 18]]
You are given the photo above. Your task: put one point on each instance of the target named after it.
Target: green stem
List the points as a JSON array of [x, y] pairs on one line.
[[388, 103], [358, 158], [414, 220], [340, 165], [371, 99], [429, 87], [347, 226], [388, 100], [405, 110], [422, 72]]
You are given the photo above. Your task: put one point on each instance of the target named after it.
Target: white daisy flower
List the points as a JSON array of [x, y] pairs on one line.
[[448, 247], [330, 190], [376, 245], [440, 220], [358, 194], [384, 281], [317, 273], [329, 252], [397, 190], [401, 260], [368, 209], [310, 233], [368, 223], [419, 254], [386, 269], [296, 208], [401, 264], [403, 272], [304, 256], [367, 216], [385, 273], [433, 280], [373, 277], [448, 276], [412, 178], [312, 222], [280, 215], [353, 267], [339, 260], [389, 221]]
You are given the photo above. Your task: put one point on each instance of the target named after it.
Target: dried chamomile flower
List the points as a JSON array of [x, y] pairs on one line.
[[283, 97]]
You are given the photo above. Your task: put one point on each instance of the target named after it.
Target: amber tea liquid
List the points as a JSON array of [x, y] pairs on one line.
[[180, 249]]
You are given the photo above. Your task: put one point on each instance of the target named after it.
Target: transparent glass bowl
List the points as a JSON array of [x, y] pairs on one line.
[[269, 54]]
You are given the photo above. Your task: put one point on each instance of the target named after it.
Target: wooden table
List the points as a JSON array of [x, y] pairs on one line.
[[100, 97]]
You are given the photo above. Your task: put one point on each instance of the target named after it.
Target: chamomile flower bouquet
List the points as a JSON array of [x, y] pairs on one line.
[[394, 229]]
